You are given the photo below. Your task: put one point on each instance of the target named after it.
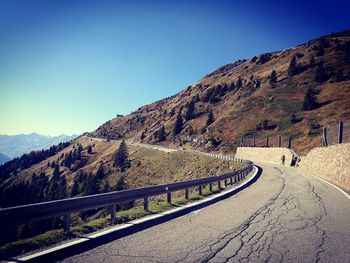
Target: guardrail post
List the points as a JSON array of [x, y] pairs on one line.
[[113, 212], [186, 194], [340, 132], [225, 182], [145, 203], [254, 142], [267, 141], [211, 187], [168, 197], [200, 190], [231, 182], [219, 185], [66, 223]]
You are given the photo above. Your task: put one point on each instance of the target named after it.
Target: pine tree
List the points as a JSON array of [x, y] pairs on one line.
[[53, 191], [89, 149], [310, 102], [106, 187], [178, 125], [293, 118], [120, 184], [232, 86], [321, 74], [161, 136], [190, 110], [293, 67], [210, 119], [61, 187], [91, 185], [312, 61], [75, 188], [273, 77], [239, 83], [121, 159], [100, 174]]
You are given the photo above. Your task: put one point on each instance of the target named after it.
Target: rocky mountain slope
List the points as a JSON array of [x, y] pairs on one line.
[[260, 96]]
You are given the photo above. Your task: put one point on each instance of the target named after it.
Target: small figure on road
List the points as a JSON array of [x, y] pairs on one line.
[[283, 159]]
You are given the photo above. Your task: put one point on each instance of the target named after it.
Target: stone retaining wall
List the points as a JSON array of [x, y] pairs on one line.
[[331, 163], [267, 155]]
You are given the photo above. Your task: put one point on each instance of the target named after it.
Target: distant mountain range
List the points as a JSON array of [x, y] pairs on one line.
[[4, 158], [13, 146]]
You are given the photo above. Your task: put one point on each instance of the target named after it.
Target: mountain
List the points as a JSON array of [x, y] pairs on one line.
[[16, 145], [4, 158], [260, 96]]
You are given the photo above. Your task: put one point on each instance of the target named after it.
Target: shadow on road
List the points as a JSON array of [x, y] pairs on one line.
[[95, 242]]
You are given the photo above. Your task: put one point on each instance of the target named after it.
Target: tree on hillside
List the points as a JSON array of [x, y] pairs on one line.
[[62, 187], [100, 174], [210, 119], [239, 83], [312, 61], [178, 125], [310, 102], [190, 110], [53, 190], [75, 187], [293, 67], [121, 158], [273, 77], [89, 149], [322, 74], [160, 134], [232, 86], [92, 185]]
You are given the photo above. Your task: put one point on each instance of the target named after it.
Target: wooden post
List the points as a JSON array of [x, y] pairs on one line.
[[186, 194], [231, 182], [168, 197], [225, 183], [145, 204], [211, 187], [340, 132], [254, 142], [67, 223], [219, 185], [200, 190], [267, 141], [279, 141]]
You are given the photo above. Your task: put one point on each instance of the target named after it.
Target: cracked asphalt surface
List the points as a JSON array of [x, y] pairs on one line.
[[283, 217]]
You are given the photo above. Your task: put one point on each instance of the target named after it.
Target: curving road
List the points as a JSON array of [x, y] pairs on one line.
[[283, 217]]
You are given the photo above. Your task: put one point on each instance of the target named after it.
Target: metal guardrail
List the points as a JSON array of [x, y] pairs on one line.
[[64, 207]]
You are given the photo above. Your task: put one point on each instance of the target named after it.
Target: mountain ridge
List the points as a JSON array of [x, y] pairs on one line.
[[241, 95]]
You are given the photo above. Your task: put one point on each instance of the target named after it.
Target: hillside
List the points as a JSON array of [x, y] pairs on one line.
[[247, 99], [91, 171], [85, 167], [16, 145]]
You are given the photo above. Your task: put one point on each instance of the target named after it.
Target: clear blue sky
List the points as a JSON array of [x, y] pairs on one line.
[[68, 66]]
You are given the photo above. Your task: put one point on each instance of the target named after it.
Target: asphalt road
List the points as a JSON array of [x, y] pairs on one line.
[[283, 217]]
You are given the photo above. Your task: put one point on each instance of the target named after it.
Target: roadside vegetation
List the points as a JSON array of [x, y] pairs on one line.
[[90, 167]]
